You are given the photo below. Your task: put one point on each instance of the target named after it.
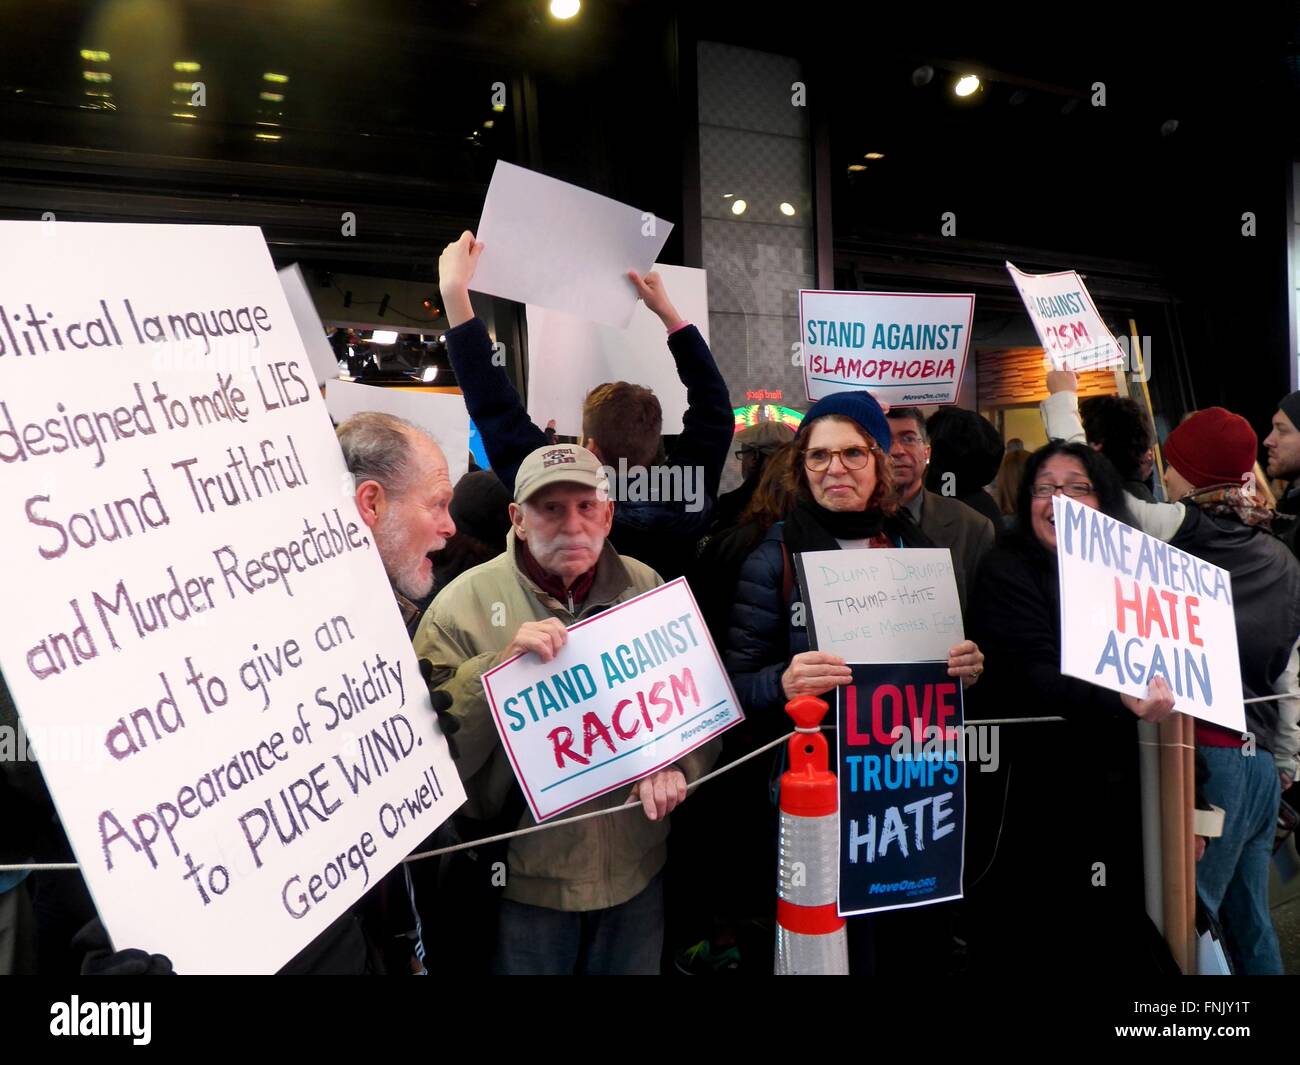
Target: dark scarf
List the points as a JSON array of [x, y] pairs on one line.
[[551, 584], [810, 527]]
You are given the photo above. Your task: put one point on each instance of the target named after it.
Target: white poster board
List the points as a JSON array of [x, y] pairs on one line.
[[1066, 320], [902, 347], [881, 605], [1133, 607], [206, 637], [324, 365], [635, 688], [556, 245], [440, 414], [569, 356]]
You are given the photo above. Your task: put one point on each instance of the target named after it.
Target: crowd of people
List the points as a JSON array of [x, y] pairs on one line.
[[507, 559]]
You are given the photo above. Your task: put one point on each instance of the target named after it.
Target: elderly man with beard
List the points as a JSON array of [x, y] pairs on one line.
[[582, 898]]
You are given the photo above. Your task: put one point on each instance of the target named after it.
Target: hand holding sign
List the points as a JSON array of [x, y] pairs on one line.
[[456, 266], [966, 660], [654, 294], [1158, 704], [814, 673], [661, 792], [545, 639]]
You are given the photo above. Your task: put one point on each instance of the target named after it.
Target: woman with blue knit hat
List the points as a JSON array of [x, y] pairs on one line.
[[830, 488]]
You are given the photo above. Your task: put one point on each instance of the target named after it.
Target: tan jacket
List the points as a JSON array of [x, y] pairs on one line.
[[592, 865]]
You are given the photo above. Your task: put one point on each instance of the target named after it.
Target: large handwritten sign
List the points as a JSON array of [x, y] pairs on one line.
[[194, 597]]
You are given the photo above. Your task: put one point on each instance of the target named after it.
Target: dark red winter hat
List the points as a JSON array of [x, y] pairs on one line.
[[1213, 446]]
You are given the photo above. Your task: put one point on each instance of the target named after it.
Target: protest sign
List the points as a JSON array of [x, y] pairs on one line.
[[1133, 608], [556, 245], [1066, 320], [881, 604], [569, 356], [442, 415], [902, 787], [196, 601], [902, 347], [324, 363], [635, 688]]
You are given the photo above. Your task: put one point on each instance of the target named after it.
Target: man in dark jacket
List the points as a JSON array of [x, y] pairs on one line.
[[622, 423], [965, 456], [1283, 448], [967, 534]]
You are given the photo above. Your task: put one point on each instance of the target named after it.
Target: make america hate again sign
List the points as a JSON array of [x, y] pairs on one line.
[[634, 689], [201, 638], [1133, 608]]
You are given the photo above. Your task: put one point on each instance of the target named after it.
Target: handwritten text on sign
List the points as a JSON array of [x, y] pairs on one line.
[[634, 689], [881, 604], [1134, 608], [902, 787], [202, 607], [904, 347]]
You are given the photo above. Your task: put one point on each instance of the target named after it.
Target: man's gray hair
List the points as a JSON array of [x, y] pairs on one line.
[[377, 447]]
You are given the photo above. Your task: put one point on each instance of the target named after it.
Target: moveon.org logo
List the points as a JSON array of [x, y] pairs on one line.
[[102, 1018]]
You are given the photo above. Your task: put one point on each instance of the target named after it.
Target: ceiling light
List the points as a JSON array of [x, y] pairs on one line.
[[874, 155], [430, 374], [855, 168], [738, 207], [186, 66], [966, 84], [383, 336], [565, 9], [787, 209]]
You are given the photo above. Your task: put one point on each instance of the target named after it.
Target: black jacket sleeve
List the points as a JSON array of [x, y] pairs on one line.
[[509, 435], [758, 640], [708, 424], [1017, 628]]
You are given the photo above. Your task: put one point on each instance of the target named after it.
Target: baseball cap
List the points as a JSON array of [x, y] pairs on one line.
[[559, 464]]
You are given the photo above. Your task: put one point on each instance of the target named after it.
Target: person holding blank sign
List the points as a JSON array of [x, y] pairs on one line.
[[622, 423]]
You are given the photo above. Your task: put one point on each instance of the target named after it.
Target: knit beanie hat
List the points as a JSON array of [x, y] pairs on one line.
[[1213, 446], [859, 406], [1290, 406]]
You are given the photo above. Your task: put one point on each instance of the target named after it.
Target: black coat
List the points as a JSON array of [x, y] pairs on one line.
[[1067, 874]]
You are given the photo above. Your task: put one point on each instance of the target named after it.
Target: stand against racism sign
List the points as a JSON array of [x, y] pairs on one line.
[[902, 787], [1067, 321], [893, 614], [201, 638], [903, 347], [1133, 607], [634, 689]]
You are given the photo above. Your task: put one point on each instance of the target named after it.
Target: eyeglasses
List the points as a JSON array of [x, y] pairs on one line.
[[1075, 489], [759, 450], [910, 439], [853, 458]]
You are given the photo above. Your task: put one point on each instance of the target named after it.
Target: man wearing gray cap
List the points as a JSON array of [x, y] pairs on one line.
[[583, 898]]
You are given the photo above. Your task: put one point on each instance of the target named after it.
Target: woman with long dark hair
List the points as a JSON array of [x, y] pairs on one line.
[[1065, 882]]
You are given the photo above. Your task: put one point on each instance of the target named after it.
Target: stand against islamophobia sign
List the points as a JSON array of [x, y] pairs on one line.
[[892, 614], [1133, 608], [903, 347], [635, 688], [201, 640], [1066, 320]]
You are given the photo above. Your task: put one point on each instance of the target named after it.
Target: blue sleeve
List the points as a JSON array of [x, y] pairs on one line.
[[509, 435], [758, 641]]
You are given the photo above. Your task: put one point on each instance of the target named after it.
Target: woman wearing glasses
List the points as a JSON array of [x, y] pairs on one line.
[[1064, 885], [830, 488]]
